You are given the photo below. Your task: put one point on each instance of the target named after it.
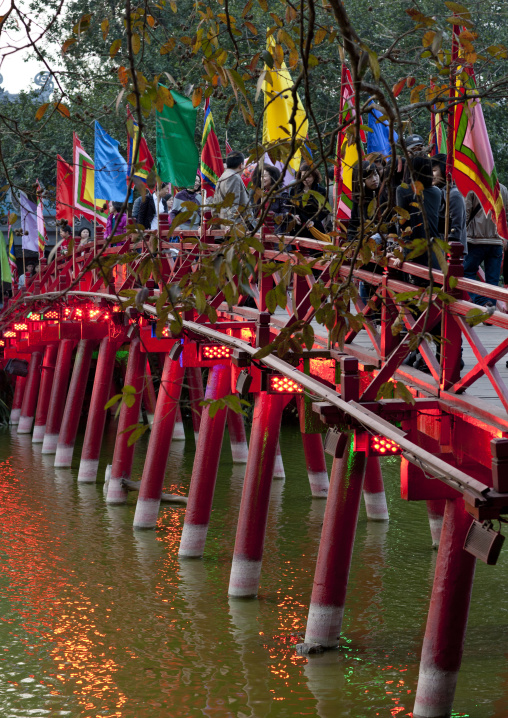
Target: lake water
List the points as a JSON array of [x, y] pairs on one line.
[[97, 620]]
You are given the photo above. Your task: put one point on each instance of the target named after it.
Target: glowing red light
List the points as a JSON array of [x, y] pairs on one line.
[[35, 317], [246, 334], [93, 313], [284, 385], [67, 311], [52, 314], [2, 343], [215, 351], [79, 314], [117, 308], [165, 331], [8, 334], [20, 327], [380, 445]]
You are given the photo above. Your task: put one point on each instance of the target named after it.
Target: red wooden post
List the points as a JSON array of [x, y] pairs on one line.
[[74, 404], [129, 415], [179, 431], [237, 437], [452, 338], [47, 374], [278, 469], [447, 620], [149, 395], [435, 510], [389, 313], [316, 464], [374, 491], [250, 532], [97, 414], [17, 401], [196, 395], [31, 393], [206, 463], [335, 549], [58, 394], [154, 470]]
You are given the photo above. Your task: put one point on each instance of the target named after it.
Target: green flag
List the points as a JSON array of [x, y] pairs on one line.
[[4, 260], [177, 154]]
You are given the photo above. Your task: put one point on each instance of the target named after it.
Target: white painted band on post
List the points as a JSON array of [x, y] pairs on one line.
[[88, 471], [179, 432], [192, 543], [376, 507], [149, 418], [63, 456], [436, 524], [50, 443], [435, 692], [278, 469], [319, 484], [324, 624], [196, 436], [15, 414], [240, 452], [147, 513], [116, 493], [38, 435], [25, 424], [244, 578]]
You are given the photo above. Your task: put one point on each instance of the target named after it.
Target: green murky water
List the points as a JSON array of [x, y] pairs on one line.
[[99, 621]]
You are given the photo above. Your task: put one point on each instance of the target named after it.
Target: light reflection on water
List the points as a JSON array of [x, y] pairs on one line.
[[99, 621]]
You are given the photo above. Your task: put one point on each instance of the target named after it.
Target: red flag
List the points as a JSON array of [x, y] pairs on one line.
[[347, 153], [229, 149], [212, 165], [144, 162], [64, 189]]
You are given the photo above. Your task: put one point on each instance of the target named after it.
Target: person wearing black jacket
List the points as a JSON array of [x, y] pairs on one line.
[[147, 212], [457, 206], [312, 211]]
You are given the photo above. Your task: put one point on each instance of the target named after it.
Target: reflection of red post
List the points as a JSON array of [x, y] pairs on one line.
[[206, 463], [336, 548], [97, 414], [447, 620], [58, 394], [237, 437], [278, 469], [250, 533], [154, 470], [129, 415], [17, 400], [196, 395], [149, 395], [74, 404], [316, 464], [374, 491], [47, 374], [435, 510], [29, 405]]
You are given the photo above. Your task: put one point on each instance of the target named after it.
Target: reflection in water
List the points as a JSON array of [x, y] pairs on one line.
[[99, 621]]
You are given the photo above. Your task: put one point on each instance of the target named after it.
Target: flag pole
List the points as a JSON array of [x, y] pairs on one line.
[[450, 137]]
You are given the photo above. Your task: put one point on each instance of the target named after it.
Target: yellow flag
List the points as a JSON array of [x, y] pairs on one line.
[[278, 84]]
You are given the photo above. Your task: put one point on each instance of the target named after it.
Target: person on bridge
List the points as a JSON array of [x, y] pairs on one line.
[[307, 209], [230, 183], [115, 221], [484, 245], [263, 181], [191, 194], [457, 206]]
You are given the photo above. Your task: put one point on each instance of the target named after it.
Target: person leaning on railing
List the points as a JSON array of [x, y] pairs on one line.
[[276, 214], [230, 183]]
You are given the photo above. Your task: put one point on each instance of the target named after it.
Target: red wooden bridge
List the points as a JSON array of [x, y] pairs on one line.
[[451, 431]]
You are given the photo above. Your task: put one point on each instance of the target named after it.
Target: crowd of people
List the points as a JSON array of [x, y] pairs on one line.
[[381, 186]]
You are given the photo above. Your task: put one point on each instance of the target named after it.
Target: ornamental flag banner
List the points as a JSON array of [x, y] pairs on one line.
[[85, 203], [145, 162], [12, 254], [64, 190], [177, 154], [212, 165], [29, 240], [5, 267], [277, 90], [347, 153], [42, 236], [110, 174], [473, 166]]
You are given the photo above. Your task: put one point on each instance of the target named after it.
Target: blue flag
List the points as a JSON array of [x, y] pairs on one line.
[[377, 140], [110, 167]]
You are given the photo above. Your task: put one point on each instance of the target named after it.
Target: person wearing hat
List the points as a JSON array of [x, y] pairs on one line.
[[415, 144], [457, 206]]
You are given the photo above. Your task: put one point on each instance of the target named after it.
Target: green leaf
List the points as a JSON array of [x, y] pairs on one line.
[[308, 336], [402, 392], [113, 401], [271, 301]]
